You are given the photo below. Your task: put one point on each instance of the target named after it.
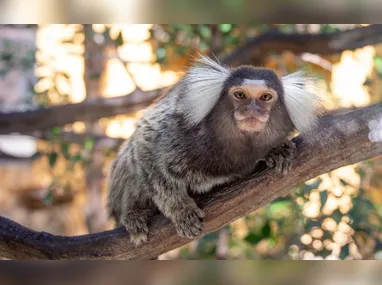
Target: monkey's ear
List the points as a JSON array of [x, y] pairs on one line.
[[304, 107], [202, 86]]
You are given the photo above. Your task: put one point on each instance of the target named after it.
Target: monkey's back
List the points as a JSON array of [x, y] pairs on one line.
[[136, 166]]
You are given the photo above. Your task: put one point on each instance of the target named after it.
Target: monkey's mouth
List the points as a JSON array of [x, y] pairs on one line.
[[251, 124], [252, 121]]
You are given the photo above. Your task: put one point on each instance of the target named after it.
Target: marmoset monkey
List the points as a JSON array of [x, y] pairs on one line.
[[213, 127]]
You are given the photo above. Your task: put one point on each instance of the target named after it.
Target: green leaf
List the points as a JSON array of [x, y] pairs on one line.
[[311, 223], [119, 39], [288, 28], [323, 197], [36, 155], [378, 64], [307, 188], [203, 45], [6, 56], [89, 144], [65, 149], [253, 238], [266, 230], [211, 250], [52, 158], [77, 157], [160, 54], [181, 50], [225, 28], [48, 199], [345, 251], [328, 28], [55, 132], [185, 28], [337, 216], [204, 31], [230, 40], [277, 208], [272, 242], [324, 252], [211, 237]]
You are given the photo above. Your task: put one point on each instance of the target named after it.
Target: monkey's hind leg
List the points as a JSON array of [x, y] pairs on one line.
[[135, 220], [281, 157], [177, 205]]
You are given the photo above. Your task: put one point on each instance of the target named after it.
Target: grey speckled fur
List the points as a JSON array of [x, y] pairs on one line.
[[167, 158]]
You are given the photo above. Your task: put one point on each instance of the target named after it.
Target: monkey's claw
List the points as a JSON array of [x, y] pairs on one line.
[[281, 158], [138, 238], [137, 228], [189, 224]]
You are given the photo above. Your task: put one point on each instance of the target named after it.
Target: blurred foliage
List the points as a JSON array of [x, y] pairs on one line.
[[311, 222], [64, 159], [18, 56], [378, 64], [184, 39], [288, 228], [177, 40], [53, 85], [52, 88], [15, 55]]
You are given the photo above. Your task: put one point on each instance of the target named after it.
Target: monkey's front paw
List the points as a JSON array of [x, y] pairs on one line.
[[137, 228], [281, 157], [189, 223]]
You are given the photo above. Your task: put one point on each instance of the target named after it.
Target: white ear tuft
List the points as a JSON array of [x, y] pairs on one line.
[[304, 107], [202, 87]]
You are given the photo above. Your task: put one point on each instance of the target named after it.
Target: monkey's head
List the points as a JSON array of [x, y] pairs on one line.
[[255, 95], [251, 97]]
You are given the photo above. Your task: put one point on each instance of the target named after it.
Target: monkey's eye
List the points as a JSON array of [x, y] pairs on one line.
[[266, 97], [239, 95]]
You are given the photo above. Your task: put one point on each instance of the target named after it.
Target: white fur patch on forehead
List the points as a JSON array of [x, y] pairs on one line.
[[256, 82], [202, 86], [304, 107]]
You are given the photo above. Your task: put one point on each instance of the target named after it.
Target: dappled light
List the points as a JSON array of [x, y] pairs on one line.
[[55, 178]]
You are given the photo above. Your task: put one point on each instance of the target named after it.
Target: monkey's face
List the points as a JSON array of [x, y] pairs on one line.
[[247, 98], [253, 101]]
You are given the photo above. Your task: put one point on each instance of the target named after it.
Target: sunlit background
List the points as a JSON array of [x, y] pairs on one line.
[[56, 181], [175, 11]]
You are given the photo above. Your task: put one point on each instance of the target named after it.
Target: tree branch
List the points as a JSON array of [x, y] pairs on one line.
[[88, 110], [258, 47], [251, 52], [340, 140]]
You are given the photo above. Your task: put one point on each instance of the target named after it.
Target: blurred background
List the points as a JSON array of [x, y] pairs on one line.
[[55, 180]]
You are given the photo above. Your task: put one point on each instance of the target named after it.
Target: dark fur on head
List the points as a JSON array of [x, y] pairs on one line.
[[189, 142]]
